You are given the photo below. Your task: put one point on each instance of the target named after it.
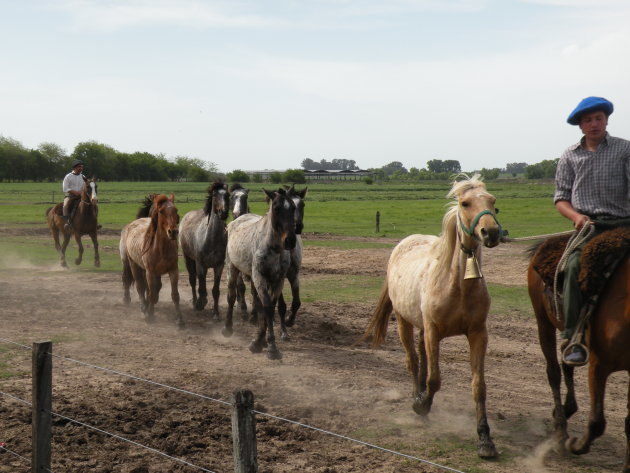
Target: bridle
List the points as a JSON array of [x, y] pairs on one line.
[[470, 231]]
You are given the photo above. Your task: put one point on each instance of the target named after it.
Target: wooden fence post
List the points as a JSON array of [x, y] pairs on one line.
[[378, 221], [244, 433], [42, 406]]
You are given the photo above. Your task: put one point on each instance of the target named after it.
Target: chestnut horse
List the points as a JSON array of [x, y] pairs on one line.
[[148, 249], [259, 247], [203, 238], [84, 222], [607, 336], [435, 284]]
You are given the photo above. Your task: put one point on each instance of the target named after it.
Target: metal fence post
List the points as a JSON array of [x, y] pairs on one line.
[[42, 406], [244, 433]]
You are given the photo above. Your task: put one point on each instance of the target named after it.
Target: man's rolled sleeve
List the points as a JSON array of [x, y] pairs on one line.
[[564, 181]]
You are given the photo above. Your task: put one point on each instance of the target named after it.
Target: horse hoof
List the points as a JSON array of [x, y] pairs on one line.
[[253, 320], [77, 261], [274, 354], [487, 450], [290, 320], [216, 318], [199, 305], [284, 336], [180, 324], [421, 406], [255, 347], [97, 264], [571, 446], [227, 332], [150, 319]]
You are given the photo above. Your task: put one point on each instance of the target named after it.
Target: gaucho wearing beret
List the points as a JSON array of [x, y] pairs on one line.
[[588, 105]]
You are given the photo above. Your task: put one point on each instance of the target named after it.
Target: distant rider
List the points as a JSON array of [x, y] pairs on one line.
[[72, 188]]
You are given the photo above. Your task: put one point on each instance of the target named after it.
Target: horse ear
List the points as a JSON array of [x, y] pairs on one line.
[[270, 194], [302, 193], [171, 197]]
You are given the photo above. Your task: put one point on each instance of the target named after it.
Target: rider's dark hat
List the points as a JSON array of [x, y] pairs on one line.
[[588, 105], [76, 163]]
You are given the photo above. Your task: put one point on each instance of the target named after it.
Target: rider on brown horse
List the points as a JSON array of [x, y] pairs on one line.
[[72, 188], [591, 188]]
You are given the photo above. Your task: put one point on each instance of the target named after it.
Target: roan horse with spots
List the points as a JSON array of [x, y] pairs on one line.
[[203, 239], [259, 247], [84, 222], [148, 249], [607, 336], [435, 284]]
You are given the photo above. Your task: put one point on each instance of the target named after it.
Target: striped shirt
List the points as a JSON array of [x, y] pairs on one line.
[[596, 182]]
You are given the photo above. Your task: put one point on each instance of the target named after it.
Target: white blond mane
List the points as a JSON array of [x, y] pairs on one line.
[[445, 246]]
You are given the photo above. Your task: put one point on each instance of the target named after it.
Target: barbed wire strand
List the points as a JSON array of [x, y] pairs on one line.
[[258, 412], [119, 437], [15, 454]]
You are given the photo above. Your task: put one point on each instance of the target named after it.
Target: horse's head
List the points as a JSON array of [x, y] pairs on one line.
[[298, 200], [238, 200], [164, 215], [282, 211], [476, 213], [89, 195], [218, 200]]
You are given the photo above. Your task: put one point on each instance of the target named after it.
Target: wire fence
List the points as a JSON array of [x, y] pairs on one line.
[[17, 399]]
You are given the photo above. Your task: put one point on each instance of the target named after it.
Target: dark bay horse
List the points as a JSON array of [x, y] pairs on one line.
[[607, 336], [203, 239], [84, 218], [148, 249], [428, 287], [259, 247]]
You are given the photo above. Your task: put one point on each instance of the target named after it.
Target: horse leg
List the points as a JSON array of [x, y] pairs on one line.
[[232, 276], [218, 270], [240, 295], [626, 463], [192, 278], [294, 281], [570, 403], [597, 376], [77, 238], [405, 332], [140, 278], [547, 339], [269, 306], [174, 278], [97, 257], [422, 403], [154, 284], [478, 342], [282, 312], [64, 246], [256, 306]]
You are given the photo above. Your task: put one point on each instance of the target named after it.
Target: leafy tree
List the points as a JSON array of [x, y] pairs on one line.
[[449, 166], [515, 168], [545, 169], [257, 178], [343, 164], [99, 159], [238, 176], [295, 176], [275, 177], [308, 163], [489, 174], [394, 166]]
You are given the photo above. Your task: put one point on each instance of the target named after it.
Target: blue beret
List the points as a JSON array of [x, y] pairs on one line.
[[587, 105]]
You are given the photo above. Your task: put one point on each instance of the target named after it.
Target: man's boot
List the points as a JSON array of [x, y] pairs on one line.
[[66, 220]]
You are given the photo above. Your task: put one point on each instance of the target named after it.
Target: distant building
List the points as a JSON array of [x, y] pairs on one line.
[[317, 174]]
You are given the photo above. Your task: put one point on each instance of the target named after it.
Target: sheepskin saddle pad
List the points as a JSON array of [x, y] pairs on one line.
[[600, 256]]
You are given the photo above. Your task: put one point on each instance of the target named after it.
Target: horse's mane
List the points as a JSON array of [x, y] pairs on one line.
[[217, 184], [445, 245], [145, 208]]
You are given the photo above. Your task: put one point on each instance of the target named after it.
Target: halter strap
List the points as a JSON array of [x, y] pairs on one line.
[[470, 231]]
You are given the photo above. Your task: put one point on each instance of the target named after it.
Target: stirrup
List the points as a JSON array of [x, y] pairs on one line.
[[569, 349]]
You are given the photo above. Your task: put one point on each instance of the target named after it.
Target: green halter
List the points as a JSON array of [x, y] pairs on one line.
[[470, 231]]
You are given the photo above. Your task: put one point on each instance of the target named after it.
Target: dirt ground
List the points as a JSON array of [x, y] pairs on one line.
[[323, 381]]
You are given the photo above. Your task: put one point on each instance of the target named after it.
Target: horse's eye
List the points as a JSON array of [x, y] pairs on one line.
[[465, 204]]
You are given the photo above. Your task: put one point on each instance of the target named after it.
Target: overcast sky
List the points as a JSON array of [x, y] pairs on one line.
[[255, 84]]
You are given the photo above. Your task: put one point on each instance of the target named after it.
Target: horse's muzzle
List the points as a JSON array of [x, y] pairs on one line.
[[172, 233], [298, 228], [490, 237], [290, 241]]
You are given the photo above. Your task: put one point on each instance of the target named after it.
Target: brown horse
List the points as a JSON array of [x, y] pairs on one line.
[[434, 284], [607, 337], [84, 222], [148, 249]]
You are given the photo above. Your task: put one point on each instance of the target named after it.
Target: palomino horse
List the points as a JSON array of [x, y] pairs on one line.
[[148, 249], [607, 336], [203, 239], [428, 287], [84, 222], [259, 247]]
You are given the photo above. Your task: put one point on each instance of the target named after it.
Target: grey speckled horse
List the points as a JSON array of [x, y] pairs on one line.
[[203, 239], [259, 247]]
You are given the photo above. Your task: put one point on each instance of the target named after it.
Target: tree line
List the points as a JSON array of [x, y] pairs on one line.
[[49, 162]]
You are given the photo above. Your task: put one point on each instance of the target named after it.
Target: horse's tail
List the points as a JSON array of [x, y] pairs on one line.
[[377, 328]]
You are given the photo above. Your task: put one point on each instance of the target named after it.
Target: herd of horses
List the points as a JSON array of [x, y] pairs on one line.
[[434, 285]]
